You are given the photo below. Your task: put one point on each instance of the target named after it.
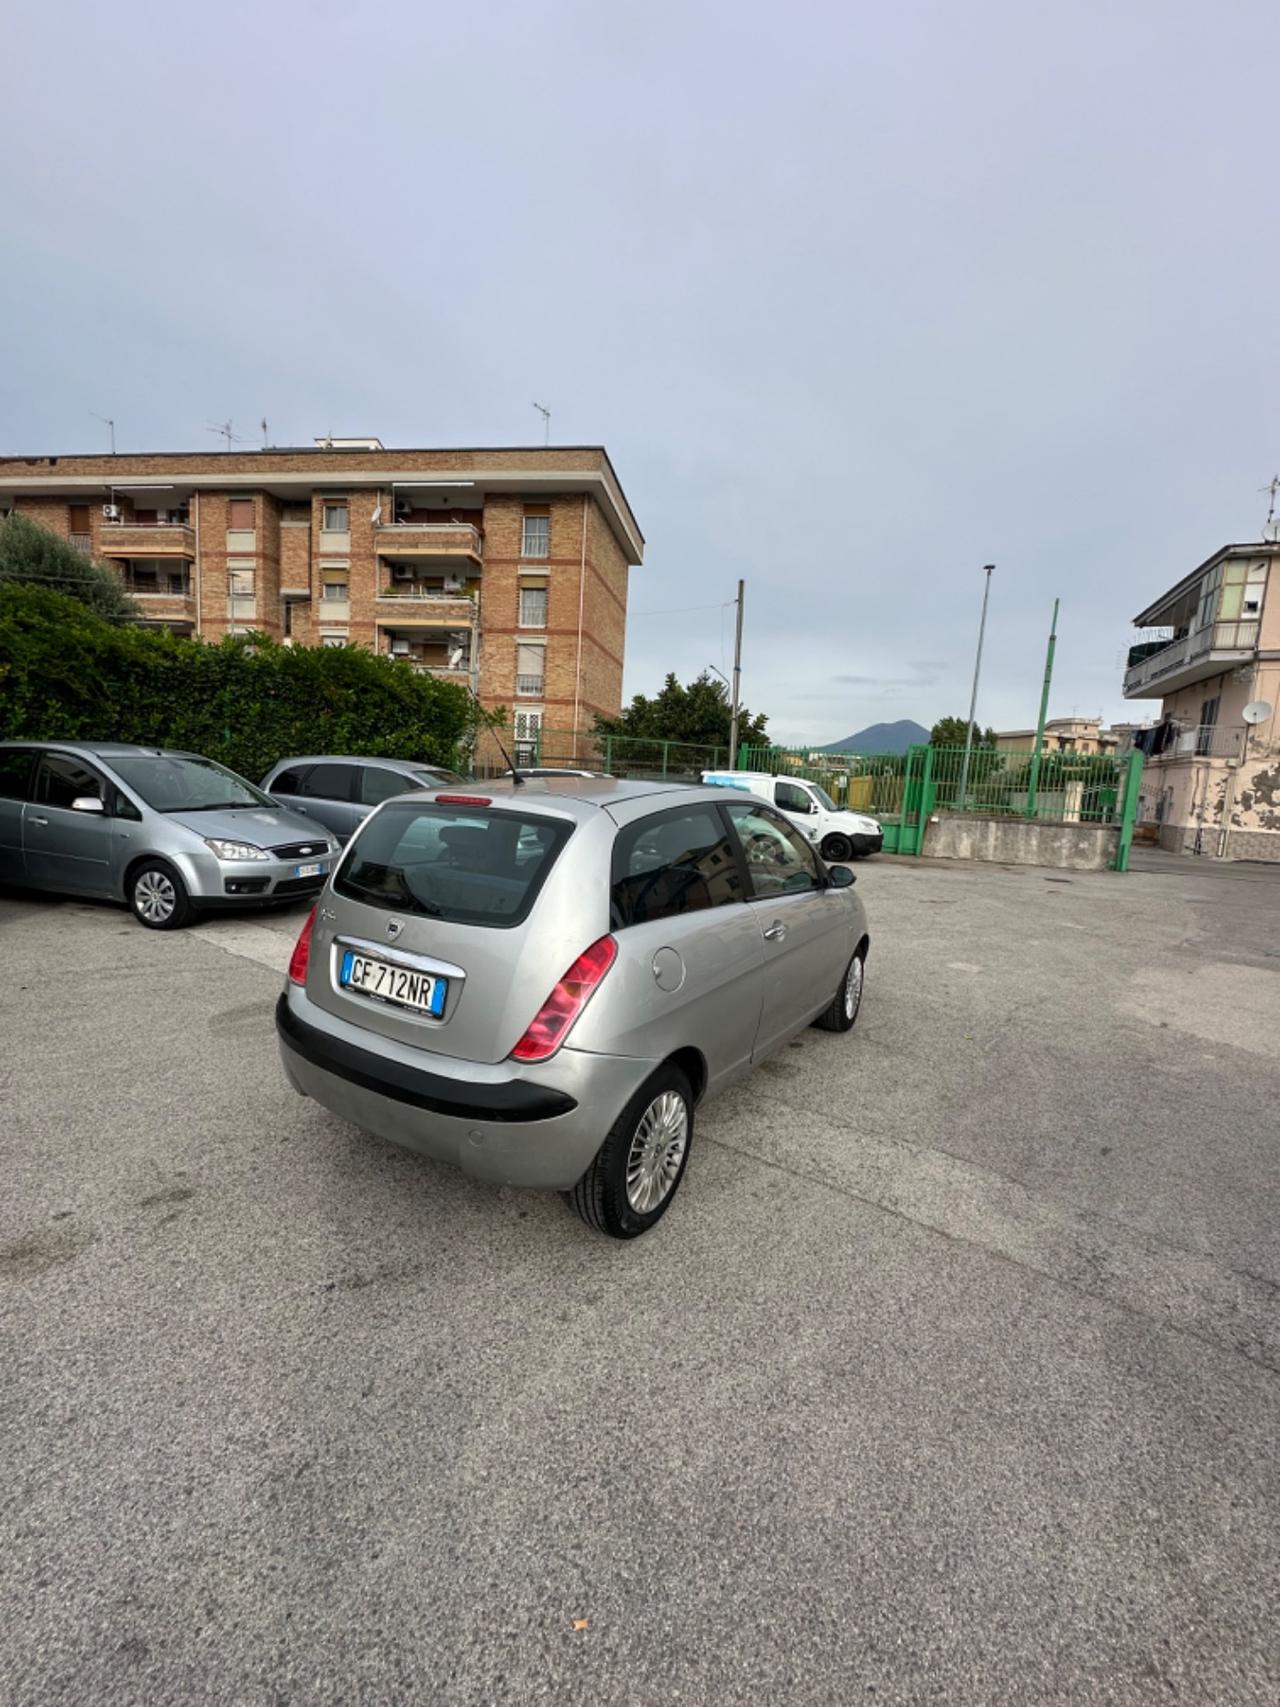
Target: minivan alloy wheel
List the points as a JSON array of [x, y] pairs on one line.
[[657, 1151], [155, 897]]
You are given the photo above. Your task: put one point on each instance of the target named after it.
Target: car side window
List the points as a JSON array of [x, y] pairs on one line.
[[792, 799], [61, 780], [377, 784], [15, 773], [779, 860], [289, 782], [675, 862], [329, 782]]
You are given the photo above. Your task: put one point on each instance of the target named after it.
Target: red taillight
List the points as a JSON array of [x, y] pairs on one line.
[[463, 800], [551, 1024], [302, 951]]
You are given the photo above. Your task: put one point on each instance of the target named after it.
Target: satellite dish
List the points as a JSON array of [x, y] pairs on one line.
[[1258, 711]]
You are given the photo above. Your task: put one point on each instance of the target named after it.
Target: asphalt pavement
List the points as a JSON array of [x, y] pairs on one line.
[[952, 1375]]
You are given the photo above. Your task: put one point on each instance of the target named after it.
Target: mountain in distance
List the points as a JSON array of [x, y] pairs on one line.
[[881, 738]]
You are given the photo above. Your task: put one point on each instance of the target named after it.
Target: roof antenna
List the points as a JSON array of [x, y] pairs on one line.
[[110, 425], [223, 430], [546, 423], [263, 424], [1270, 529], [516, 779]]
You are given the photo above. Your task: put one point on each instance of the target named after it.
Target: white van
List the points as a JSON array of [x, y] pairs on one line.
[[839, 835]]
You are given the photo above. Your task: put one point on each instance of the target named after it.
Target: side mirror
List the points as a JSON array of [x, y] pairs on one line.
[[87, 803], [841, 876]]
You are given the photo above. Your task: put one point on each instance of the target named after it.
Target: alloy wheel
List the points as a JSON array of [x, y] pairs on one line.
[[657, 1152], [853, 988]]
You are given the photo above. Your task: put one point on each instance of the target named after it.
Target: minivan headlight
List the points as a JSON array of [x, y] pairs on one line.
[[234, 850]]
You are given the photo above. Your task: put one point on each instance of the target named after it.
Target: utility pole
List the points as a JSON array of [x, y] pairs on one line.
[[1034, 781], [973, 697], [737, 683]]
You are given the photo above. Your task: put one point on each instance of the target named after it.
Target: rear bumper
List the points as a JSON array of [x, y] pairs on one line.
[[508, 1124]]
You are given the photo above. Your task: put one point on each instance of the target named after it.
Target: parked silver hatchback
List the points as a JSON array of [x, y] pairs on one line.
[[170, 833], [539, 981]]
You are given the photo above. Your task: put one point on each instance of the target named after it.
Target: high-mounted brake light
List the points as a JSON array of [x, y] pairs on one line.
[[302, 951], [463, 800], [551, 1024]]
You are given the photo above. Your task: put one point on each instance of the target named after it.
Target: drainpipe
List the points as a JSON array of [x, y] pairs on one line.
[[199, 572], [582, 590]]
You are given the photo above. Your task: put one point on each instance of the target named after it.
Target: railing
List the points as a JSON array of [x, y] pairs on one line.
[[1206, 741], [180, 521], [81, 542], [422, 595], [465, 537], [530, 687], [1213, 637], [176, 588]]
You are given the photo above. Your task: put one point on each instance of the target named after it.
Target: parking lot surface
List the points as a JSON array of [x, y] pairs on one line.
[[952, 1375]]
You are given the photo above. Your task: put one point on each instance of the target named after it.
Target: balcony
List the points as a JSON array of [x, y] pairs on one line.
[[81, 542], [432, 542], [148, 539], [530, 687], [404, 605], [1189, 658], [1208, 741]]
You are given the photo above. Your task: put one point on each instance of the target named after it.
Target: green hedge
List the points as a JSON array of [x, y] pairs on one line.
[[65, 674]]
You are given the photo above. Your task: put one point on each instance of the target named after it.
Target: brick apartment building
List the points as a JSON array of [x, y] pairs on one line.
[[503, 569]]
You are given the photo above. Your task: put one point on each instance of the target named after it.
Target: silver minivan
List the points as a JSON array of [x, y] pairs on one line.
[[170, 833], [340, 791], [538, 981]]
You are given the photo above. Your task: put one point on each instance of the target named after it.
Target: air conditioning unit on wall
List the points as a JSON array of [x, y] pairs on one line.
[[402, 571], [111, 512]]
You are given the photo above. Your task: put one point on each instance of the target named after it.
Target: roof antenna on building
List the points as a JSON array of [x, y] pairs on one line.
[[223, 430], [263, 425], [110, 425], [1270, 529], [546, 423]]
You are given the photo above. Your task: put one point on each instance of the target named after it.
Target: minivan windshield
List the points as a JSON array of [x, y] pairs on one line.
[[470, 864], [169, 782]]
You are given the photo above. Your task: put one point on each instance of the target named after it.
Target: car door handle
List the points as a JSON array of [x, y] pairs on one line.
[[36, 820], [776, 931]]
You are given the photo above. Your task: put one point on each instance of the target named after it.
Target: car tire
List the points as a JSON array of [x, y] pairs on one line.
[[639, 1167], [158, 897], [842, 1015], [836, 849]]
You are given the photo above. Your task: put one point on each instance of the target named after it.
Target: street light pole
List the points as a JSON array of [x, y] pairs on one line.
[[737, 684], [973, 698], [1034, 782]]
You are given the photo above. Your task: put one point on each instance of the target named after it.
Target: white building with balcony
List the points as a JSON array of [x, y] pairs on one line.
[[1207, 649]]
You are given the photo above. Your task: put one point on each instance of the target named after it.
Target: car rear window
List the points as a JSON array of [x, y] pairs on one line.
[[468, 864]]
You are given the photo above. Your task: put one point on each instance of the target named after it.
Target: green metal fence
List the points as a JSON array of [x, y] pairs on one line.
[[903, 790]]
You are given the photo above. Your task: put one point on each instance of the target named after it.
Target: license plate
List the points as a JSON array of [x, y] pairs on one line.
[[308, 871], [394, 984]]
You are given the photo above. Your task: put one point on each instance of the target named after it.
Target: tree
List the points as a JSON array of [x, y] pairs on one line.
[[31, 554], [953, 732], [698, 714]]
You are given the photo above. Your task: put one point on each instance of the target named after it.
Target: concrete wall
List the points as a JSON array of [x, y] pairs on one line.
[[1021, 841]]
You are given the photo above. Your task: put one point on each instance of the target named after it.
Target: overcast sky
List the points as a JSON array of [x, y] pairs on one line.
[[859, 297]]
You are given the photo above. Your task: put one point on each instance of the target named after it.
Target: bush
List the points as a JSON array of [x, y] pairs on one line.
[[65, 674]]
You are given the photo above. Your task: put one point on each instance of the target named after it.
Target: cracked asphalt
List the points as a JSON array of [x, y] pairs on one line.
[[953, 1374]]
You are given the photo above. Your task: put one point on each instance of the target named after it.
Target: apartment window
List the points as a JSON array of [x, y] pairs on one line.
[[530, 661], [333, 587], [333, 640], [533, 607], [240, 513], [1208, 722], [337, 518], [79, 518], [536, 541], [240, 590]]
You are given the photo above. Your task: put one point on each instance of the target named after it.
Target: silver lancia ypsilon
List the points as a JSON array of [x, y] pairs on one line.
[[540, 980]]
